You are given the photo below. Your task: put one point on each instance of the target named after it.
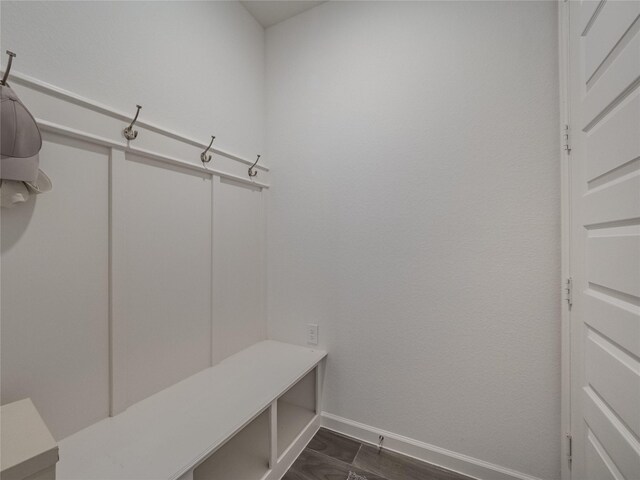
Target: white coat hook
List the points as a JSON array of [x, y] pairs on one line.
[[204, 156], [252, 171], [129, 132]]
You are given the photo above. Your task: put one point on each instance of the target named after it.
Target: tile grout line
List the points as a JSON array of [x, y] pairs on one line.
[[340, 461], [356, 455], [329, 456], [398, 461]]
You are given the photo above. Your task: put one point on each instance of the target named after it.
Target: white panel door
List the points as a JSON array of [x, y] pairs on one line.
[[604, 57]]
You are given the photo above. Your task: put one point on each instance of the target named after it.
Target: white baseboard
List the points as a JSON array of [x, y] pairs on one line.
[[422, 451]]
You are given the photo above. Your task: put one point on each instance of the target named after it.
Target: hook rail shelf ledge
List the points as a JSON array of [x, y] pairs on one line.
[[106, 142], [66, 95]]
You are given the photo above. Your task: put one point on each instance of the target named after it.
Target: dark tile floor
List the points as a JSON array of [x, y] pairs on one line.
[[331, 456]]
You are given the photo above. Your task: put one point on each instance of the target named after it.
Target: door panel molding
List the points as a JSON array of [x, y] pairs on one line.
[[600, 62]]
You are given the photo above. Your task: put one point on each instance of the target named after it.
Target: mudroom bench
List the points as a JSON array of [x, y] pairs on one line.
[[246, 418]]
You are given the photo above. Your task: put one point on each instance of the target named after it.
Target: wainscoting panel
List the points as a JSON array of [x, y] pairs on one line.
[[108, 280], [238, 267], [55, 294], [161, 230]]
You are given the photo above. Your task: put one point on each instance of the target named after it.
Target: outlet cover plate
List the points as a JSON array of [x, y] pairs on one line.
[[312, 334]]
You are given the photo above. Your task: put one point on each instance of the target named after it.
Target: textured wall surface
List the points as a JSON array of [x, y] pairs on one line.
[[415, 215], [196, 67], [415, 205]]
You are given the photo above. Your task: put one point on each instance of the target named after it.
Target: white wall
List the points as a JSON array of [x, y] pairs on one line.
[[161, 275], [195, 67], [239, 266], [55, 291], [414, 216], [132, 274]]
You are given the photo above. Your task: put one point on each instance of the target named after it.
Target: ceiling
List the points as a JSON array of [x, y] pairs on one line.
[[269, 13]]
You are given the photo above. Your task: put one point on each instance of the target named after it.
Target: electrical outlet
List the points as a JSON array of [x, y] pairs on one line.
[[312, 334]]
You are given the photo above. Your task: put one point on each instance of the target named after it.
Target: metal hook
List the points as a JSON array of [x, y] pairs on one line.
[[203, 156], [252, 171], [129, 132], [8, 69], [380, 440]]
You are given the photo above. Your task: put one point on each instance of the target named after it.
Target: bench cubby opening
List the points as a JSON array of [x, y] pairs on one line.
[[296, 408], [244, 457]]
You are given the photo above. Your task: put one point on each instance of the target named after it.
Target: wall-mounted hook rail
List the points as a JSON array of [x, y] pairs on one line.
[[252, 171], [8, 69], [204, 156], [129, 132]]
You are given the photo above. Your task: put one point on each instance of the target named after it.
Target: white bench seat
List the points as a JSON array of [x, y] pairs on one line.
[[166, 435]]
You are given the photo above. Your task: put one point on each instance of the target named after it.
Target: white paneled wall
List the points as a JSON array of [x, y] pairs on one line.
[[109, 280], [238, 273], [55, 295], [161, 230]]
